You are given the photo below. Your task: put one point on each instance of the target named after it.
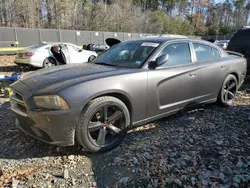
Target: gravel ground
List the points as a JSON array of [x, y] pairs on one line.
[[7, 65], [204, 147]]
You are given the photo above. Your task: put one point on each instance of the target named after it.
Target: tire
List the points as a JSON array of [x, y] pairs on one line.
[[91, 58], [6, 93], [228, 91], [90, 137], [48, 62]]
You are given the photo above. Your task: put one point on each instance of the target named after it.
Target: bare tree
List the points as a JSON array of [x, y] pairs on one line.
[[163, 16]]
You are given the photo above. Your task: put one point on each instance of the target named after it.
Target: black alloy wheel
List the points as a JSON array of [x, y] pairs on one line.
[[103, 124], [106, 126], [228, 91]]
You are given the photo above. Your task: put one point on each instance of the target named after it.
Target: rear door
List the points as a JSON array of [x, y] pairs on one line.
[[211, 72], [171, 86]]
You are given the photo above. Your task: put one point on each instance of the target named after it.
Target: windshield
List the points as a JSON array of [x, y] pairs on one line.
[[130, 54]]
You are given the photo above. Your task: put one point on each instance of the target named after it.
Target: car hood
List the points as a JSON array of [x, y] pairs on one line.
[[47, 80]]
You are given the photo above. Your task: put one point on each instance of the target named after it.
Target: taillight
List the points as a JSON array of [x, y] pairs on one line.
[[30, 53]]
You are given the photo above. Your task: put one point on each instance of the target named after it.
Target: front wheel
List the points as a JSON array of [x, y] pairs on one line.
[[228, 91], [102, 125], [91, 58]]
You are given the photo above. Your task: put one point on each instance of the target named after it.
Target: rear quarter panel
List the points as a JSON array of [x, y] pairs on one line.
[[237, 65], [211, 76], [38, 58]]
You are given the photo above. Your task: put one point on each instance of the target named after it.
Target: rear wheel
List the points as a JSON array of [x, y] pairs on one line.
[[91, 58], [48, 62], [228, 91], [102, 124]]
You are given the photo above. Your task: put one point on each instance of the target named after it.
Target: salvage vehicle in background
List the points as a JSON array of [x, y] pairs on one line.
[[222, 43], [133, 83], [98, 48], [43, 55], [240, 43], [211, 40]]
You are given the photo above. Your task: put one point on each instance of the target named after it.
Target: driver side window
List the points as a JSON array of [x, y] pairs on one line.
[[179, 54]]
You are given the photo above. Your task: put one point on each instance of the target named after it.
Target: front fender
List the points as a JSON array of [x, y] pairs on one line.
[[85, 92], [132, 86]]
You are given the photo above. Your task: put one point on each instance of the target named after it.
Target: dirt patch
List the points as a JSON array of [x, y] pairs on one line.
[[7, 65], [7, 60]]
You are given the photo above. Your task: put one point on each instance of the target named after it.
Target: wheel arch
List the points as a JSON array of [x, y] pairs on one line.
[[51, 57], [91, 55], [119, 95], [234, 74], [124, 99]]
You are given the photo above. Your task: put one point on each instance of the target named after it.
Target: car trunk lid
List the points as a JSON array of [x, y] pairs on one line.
[[25, 53]]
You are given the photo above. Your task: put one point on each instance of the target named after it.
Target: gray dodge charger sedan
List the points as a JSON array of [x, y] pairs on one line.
[[131, 84]]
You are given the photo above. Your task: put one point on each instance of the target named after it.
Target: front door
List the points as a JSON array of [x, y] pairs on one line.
[[171, 86], [65, 53], [75, 54]]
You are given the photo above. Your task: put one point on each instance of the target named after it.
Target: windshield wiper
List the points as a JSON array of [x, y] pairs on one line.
[[101, 63]]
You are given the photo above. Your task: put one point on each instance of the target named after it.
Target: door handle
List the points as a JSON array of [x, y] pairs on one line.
[[223, 66], [192, 74]]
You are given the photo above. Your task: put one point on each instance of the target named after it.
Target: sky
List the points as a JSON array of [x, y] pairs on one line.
[[219, 1]]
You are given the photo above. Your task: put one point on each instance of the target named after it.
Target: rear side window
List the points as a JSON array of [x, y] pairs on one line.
[[216, 53], [203, 52], [179, 54]]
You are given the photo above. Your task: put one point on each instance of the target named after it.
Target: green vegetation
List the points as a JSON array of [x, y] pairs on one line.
[[199, 17]]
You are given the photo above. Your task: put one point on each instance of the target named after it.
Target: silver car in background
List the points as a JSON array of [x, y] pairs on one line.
[[222, 43], [41, 55]]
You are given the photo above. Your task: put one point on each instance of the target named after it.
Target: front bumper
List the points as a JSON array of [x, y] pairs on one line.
[[55, 127]]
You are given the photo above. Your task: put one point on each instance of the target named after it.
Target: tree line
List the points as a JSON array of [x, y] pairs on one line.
[[187, 17]]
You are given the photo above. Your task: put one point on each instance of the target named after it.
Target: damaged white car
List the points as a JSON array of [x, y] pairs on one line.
[[52, 54]]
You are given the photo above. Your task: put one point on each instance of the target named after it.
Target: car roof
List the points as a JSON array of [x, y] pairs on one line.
[[158, 39], [46, 45], [49, 43], [167, 39]]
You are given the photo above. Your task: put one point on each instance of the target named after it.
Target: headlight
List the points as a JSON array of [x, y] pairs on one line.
[[50, 102]]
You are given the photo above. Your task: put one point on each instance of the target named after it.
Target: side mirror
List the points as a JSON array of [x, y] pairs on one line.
[[159, 61], [79, 50]]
